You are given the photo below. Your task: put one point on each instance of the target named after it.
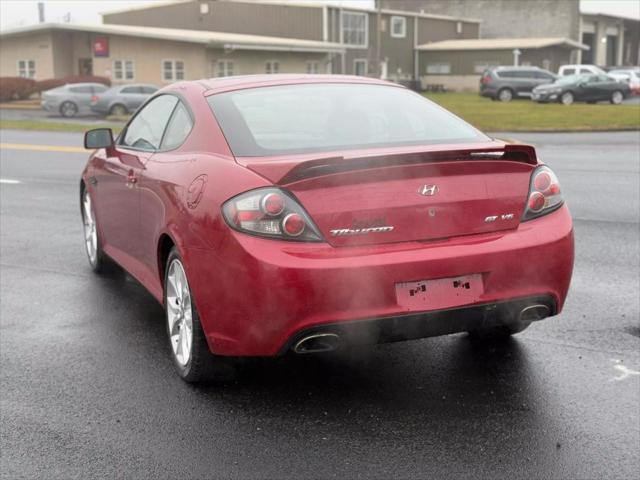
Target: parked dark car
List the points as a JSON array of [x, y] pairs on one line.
[[582, 88], [506, 83], [122, 99]]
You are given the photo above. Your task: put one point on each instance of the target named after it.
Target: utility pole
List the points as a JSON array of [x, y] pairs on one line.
[[378, 38]]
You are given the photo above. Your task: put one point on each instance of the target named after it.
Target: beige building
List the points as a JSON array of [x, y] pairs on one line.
[[378, 43], [154, 55]]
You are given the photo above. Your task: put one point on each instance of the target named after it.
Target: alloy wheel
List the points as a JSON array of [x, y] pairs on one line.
[[90, 231], [118, 110], [505, 95], [179, 313], [616, 98], [68, 109], [567, 98]]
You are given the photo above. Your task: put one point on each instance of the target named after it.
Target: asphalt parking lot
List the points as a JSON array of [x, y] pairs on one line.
[[87, 387]]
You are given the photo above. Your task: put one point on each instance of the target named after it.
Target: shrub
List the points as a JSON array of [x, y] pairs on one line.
[[16, 88], [49, 83]]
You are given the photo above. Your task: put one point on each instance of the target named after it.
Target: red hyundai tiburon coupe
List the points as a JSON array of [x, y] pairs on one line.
[[307, 213]]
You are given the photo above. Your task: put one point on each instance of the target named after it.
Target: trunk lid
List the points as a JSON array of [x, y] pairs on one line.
[[408, 195]]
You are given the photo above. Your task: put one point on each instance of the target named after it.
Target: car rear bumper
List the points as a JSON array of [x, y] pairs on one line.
[[488, 92], [100, 109], [256, 296]]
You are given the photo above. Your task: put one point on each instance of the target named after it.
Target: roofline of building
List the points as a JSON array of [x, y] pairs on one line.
[[484, 44], [608, 15], [227, 40], [293, 3], [155, 4]]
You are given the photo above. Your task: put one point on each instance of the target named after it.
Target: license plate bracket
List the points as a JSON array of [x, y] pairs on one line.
[[439, 293]]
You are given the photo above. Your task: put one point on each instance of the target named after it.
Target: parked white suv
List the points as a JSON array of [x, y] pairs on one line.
[[565, 70]]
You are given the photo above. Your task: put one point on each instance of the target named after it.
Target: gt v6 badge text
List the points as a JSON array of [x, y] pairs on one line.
[[493, 218], [340, 232]]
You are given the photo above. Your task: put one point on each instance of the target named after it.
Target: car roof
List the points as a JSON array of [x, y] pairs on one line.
[[240, 82], [125, 85], [85, 84], [531, 67]]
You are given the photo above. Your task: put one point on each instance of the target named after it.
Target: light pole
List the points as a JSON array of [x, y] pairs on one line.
[[516, 57]]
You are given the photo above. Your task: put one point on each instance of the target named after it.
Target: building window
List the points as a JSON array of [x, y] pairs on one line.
[[172, 70], [355, 29], [123, 70], [204, 8], [224, 68], [458, 27], [272, 67], [398, 27], [440, 68], [360, 67], [27, 68], [313, 67], [480, 67]]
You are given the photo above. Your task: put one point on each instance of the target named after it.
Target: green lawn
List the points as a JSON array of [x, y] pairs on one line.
[[525, 115], [53, 126], [487, 115]]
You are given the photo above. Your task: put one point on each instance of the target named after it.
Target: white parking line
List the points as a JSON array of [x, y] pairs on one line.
[[9, 181]]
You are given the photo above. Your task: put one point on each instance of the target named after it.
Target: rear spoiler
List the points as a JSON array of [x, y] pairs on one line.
[[285, 171]]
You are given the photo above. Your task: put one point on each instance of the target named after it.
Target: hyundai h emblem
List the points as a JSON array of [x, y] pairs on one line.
[[428, 190]]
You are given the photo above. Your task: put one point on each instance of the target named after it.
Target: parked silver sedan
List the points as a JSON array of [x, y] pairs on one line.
[[71, 99], [122, 99]]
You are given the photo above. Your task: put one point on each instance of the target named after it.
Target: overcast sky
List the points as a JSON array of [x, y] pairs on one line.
[[15, 13]]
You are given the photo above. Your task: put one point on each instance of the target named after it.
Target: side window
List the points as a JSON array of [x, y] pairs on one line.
[[149, 90], [544, 76], [569, 71], [146, 129], [83, 89], [99, 88], [179, 128], [131, 90]]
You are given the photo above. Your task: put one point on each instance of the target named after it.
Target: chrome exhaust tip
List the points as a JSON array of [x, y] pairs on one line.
[[317, 343], [533, 313]]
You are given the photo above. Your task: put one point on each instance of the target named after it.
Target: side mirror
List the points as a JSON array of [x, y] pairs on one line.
[[98, 138]]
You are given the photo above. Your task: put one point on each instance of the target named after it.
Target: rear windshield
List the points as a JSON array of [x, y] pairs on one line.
[[290, 119]]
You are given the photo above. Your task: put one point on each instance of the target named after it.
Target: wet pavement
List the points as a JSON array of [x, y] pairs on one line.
[[87, 387]]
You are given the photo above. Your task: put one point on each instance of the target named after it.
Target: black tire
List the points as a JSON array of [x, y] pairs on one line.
[[616, 97], [498, 333], [505, 95], [567, 98], [68, 109], [202, 364], [100, 263], [118, 110]]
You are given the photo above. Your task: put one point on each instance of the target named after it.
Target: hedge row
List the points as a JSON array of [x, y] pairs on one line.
[[18, 88]]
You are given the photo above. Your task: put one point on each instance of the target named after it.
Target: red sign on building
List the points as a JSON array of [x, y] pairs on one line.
[[101, 47]]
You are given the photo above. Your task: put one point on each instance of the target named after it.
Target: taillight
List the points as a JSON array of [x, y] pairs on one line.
[[94, 99], [486, 78], [272, 213], [544, 193]]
